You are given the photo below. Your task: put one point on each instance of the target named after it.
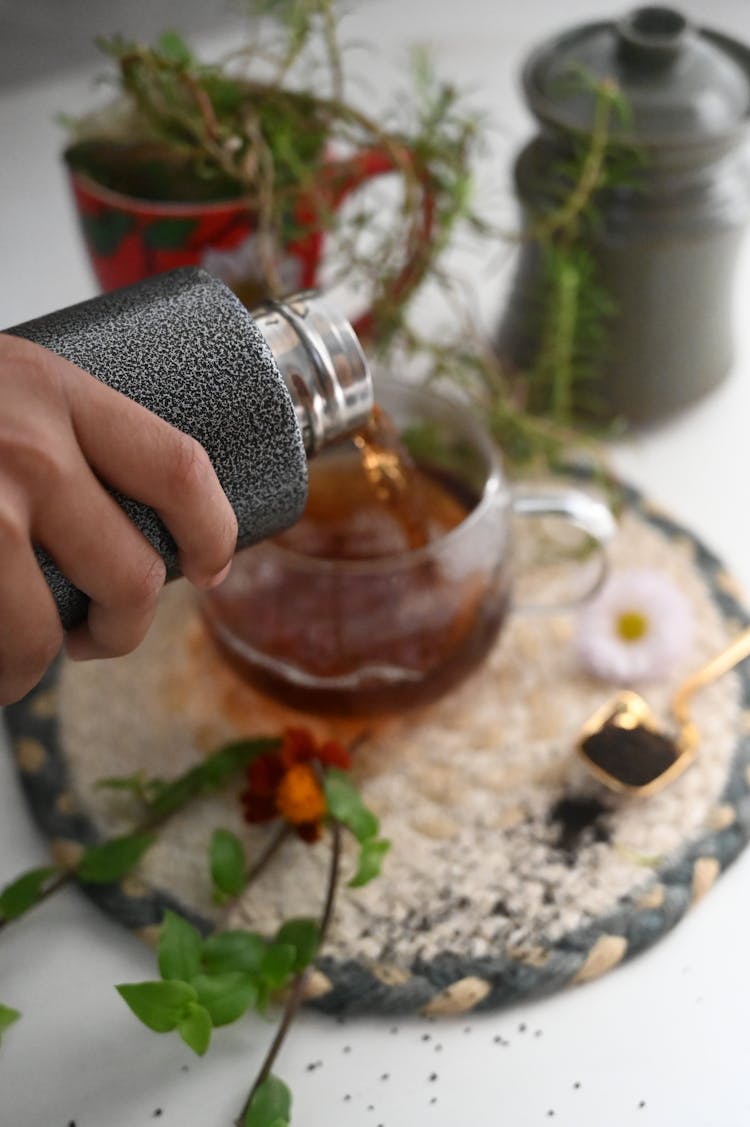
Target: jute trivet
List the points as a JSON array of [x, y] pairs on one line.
[[512, 872]]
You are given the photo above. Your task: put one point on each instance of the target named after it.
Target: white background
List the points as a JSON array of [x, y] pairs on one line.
[[662, 1040]]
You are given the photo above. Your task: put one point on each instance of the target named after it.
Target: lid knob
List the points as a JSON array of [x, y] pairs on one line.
[[651, 37]]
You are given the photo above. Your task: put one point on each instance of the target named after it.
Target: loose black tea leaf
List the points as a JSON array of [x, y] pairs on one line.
[[634, 756]]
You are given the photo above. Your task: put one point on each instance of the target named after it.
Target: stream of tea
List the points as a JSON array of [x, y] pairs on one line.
[[365, 611], [373, 500]]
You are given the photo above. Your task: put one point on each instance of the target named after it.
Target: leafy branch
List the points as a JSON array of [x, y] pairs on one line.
[[206, 983], [263, 127], [544, 410], [109, 861]]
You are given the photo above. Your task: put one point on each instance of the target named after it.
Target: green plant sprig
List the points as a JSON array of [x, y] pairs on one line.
[[111, 860], [206, 983], [240, 128], [548, 411], [574, 310], [209, 982]]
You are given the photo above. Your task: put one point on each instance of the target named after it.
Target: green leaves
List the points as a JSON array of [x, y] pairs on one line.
[[137, 784], [233, 951], [24, 892], [195, 1027], [173, 47], [159, 1005], [206, 983], [226, 997], [370, 861], [110, 861], [277, 965], [271, 1105], [179, 951], [164, 1006], [7, 1016], [346, 806], [304, 936], [210, 774], [228, 868]]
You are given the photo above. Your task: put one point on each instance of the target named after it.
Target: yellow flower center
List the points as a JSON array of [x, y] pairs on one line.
[[632, 626], [299, 798]]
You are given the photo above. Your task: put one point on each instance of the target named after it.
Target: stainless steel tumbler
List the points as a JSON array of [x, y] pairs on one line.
[[260, 390]]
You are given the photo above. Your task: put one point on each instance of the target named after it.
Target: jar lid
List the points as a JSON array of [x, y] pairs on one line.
[[684, 85]]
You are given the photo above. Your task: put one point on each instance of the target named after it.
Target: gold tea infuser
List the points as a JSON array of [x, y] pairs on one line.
[[623, 745]]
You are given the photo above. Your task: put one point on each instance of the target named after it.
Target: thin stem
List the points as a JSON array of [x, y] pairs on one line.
[[591, 171], [297, 991], [268, 853], [334, 55], [333, 880]]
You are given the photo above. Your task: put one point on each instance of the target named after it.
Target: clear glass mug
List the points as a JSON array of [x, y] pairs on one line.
[[390, 626]]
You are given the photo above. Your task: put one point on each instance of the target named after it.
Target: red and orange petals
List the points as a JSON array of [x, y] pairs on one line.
[[334, 754], [298, 747], [258, 807], [310, 832], [264, 775]]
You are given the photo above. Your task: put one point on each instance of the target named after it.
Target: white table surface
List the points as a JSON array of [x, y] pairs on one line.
[[661, 1040]]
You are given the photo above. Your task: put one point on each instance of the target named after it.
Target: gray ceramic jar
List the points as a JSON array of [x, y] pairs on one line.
[[666, 250]]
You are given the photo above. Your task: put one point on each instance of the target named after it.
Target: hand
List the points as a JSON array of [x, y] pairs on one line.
[[63, 434]]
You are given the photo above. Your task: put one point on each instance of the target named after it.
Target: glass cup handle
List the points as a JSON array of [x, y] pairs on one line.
[[586, 513]]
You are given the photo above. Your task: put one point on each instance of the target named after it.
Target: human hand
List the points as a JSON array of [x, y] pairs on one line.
[[62, 435]]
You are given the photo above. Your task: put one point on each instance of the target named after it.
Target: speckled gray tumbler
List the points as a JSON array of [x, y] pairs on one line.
[[258, 391]]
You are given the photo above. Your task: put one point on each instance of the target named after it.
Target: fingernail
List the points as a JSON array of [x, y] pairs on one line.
[[220, 576]]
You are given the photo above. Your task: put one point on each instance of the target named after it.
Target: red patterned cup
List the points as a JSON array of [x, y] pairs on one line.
[[128, 238]]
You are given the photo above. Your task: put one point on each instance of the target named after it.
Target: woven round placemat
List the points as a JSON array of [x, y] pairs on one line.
[[512, 872]]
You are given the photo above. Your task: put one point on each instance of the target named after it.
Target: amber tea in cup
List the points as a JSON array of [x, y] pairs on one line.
[[395, 582]]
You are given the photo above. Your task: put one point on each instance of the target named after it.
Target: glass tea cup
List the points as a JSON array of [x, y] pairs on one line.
[[349, 613]]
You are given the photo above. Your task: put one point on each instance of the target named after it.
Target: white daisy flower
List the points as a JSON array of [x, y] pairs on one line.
[[635, 629]]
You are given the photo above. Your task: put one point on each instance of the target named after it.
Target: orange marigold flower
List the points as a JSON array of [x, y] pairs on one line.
[[300, 798], [284, 784]]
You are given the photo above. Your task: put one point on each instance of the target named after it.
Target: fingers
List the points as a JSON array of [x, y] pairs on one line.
[[145, 458], [102, 552], [64, 439], [30, 630]]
